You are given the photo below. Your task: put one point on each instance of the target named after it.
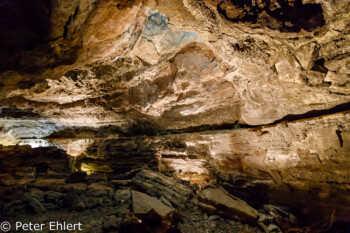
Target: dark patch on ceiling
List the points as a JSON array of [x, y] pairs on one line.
[[23, 25], [283, 15]]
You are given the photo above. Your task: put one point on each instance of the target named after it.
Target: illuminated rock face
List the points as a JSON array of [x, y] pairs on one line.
[[182, 68], [269, 82]]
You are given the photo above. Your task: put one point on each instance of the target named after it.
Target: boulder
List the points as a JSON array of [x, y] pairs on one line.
[[208, 208], [228, 205], [148, 207], [156, 184]]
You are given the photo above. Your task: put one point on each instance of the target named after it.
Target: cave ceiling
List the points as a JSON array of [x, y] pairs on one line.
[[173, 64]]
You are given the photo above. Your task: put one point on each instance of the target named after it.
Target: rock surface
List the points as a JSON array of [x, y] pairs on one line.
[[100, 206], [159, 185], [228, 205], [253, 95], [163, 69], [144, 205]]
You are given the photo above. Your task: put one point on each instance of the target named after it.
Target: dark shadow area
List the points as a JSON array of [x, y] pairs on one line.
[[23, 25], [314, 213], [25, 42], [315, 113], [17, 113], [144, 128], [283, 15], [148, 128], [339, 227], [27, 162]]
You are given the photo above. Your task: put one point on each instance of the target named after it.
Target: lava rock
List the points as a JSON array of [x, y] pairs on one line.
[[148, 207], [229, 205], [156, 184]]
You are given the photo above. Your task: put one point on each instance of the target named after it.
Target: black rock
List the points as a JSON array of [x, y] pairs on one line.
[[76, 177]]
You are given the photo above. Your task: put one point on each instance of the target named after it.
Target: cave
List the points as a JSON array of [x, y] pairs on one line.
[[181, 116]]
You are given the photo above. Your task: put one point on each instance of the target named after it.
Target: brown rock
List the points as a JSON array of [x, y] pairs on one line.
[[289, 70], [158, 185], [229, 205], [149, 207]]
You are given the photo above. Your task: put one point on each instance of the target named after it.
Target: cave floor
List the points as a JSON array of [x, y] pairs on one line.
[[140, 184]]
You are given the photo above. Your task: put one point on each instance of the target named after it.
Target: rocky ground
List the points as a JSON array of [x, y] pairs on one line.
[[145, 202], [44, 184]]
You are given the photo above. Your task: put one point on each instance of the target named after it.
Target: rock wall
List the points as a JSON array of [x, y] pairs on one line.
[[268, 82]]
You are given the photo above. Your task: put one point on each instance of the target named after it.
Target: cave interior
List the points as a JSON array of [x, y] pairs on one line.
[[175, 116]]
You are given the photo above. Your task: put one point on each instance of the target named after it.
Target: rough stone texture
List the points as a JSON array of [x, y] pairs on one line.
[[159, 185], [182, 68], [274, 74], [100, 207], [33, 163], [143, 205], [229, 205], [291, 163]]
